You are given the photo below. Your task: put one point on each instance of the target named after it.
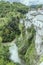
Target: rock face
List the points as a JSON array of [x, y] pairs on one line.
[[37, 21], [30, 48], [35, 18]]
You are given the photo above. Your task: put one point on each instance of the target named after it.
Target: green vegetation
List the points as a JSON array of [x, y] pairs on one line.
[[11, 28], [26, 46], [10, 15], [4, 56]]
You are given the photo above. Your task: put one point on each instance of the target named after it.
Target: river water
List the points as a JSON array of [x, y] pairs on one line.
[[14, 53], [14, 56]]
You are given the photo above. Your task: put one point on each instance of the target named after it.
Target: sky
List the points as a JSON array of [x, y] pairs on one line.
[[28, 2]]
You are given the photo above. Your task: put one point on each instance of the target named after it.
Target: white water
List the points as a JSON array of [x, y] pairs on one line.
[[41, 63], [13, 49], [14, 53]]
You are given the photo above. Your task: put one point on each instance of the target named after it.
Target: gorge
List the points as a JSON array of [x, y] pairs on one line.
[[34, 18], [21, 33]]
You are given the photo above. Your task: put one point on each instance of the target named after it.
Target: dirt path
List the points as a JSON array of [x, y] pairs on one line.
[[9, 43]]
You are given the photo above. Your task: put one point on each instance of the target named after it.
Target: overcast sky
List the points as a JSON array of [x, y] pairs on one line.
[[28, 2]]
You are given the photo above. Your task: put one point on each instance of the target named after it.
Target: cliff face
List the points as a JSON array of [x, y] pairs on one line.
[[31, 44]]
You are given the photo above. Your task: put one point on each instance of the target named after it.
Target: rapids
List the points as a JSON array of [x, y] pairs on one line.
[[14, 53]]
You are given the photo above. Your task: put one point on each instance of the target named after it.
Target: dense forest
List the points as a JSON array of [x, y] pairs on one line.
[[10, 15]]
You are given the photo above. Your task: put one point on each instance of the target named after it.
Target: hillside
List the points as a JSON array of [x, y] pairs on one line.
[[10, 15], [21, 34]]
